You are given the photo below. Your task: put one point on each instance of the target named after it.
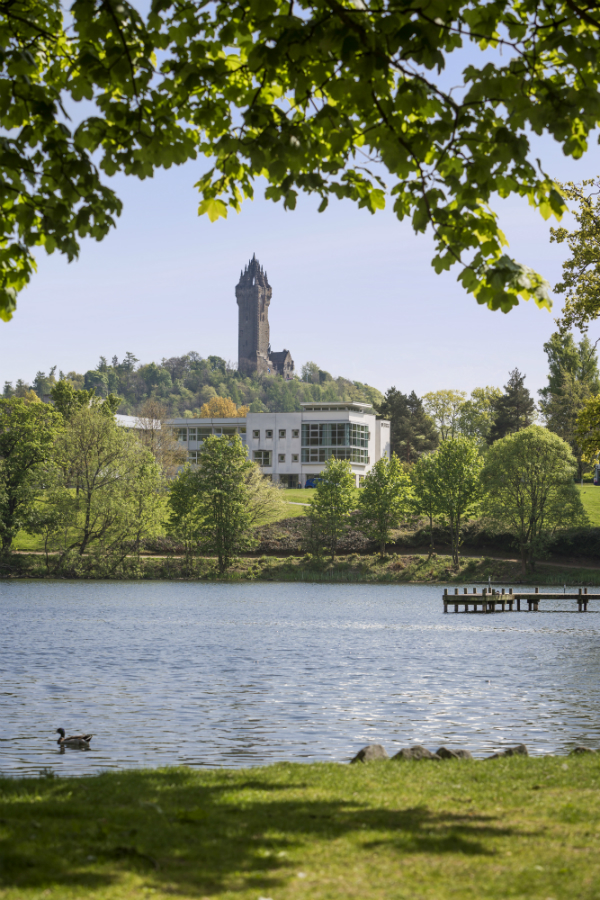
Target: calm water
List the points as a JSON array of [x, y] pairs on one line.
[[241, 675]]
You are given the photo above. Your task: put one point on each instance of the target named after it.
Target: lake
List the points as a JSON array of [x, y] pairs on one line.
[[247, 674]]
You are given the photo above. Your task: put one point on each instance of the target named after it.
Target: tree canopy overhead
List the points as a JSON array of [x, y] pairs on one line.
[[340, 98]]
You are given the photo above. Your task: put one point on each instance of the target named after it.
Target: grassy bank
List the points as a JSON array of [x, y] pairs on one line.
[[354, 568], [519, 828]]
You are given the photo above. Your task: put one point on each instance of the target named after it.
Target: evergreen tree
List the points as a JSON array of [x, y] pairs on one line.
[[513, 410], [413, 431]]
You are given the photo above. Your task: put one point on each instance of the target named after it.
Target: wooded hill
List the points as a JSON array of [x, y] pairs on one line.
[[184, 383]]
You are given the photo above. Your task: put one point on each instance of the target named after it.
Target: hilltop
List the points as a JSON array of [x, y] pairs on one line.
[[184, 383]]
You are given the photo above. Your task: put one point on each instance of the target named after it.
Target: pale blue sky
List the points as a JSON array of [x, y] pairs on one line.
[[353, 292]]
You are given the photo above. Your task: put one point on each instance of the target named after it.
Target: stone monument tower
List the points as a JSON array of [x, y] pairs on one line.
[[253, 294]]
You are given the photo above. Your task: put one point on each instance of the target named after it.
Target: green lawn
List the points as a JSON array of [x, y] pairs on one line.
[[518, 828], [590, 496]]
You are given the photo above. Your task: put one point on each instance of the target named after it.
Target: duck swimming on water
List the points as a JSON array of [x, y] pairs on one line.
[[80, 741]]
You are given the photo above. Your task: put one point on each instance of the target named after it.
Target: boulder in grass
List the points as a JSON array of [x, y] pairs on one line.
[[446, 753], [519, 750], [369, 753], [417, 752], [578, 750]]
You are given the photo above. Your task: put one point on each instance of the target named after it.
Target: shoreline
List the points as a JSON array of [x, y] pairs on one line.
[[353, 568]]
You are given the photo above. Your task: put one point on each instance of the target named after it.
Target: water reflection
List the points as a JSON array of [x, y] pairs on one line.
[[240, 675]]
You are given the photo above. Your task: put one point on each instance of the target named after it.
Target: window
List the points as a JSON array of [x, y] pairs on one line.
[[335, 434], [193, 457], [263, 457], [322, 454], [256, 435], [181, 434], [268, 434], [199, 434], [295, 432], [230, 430], [281, 433], [242, 430], [281, 457], [294, 457]]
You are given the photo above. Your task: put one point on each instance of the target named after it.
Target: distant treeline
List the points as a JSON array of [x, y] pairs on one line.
[[183, 384]]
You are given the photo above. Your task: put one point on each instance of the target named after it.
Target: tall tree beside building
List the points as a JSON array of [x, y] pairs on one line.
[[413, 432], [513, 410], [28, 432]]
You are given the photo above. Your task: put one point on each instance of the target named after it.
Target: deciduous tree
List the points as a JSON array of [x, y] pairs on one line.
[[581, 271], [455, 480], [444, 407], [424, 477], [528, 479], [28, 432], [384, 500], [334, 498], [476, 415], [209, 503], [337, 98], [222, 408]]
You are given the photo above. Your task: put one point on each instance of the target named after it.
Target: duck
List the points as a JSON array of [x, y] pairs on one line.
[[80, 741]]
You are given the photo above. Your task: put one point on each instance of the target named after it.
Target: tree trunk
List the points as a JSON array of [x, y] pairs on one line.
[[431, 545]]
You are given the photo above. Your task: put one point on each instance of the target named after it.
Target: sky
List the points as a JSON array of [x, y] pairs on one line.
[[353, 292]]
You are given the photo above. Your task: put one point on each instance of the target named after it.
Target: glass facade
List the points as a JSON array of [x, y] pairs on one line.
[[322, 454], [335, 434]]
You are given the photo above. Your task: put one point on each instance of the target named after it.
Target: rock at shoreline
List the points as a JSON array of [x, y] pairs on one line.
[[417, 752], [577, 750], [446, 753], [519, 750], [369, 753]]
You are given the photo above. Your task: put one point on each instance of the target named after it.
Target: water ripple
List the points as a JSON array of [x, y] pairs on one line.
[[241, 675]]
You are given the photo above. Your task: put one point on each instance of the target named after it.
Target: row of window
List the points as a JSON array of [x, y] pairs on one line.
[[201, 432], [313, 455], [269, 434], [335, 434], [265, 457], [322, 454]]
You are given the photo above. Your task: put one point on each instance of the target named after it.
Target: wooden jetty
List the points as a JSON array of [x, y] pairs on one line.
[[505, 599]]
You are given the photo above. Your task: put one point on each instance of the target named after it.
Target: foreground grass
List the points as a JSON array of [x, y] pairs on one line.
[[590, 497], [518, 828], [353, 568]]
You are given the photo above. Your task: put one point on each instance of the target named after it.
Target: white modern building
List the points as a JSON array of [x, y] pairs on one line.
[[294, 447]]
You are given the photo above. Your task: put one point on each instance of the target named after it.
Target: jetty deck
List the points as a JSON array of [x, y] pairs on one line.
[[506, 600]]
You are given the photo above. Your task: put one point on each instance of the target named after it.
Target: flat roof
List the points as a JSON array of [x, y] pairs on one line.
[[324, 405]]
